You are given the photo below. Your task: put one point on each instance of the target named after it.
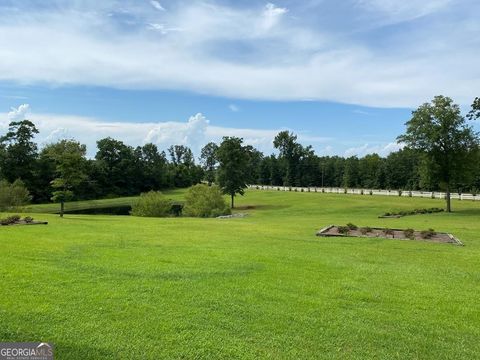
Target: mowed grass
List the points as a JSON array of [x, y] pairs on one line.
[[264, 286]]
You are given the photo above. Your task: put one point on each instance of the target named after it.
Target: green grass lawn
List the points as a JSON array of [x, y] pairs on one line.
[[264, 286]]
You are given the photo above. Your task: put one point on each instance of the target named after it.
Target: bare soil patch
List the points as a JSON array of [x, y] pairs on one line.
[[385, 233]]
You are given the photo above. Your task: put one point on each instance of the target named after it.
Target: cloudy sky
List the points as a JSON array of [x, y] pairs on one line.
[[343, 75]]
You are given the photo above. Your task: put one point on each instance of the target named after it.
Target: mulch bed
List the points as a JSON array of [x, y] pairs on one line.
[[398, 234]]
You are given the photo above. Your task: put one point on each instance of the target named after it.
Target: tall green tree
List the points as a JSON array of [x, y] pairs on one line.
[[439, 131], [208, 159], [290, 154], [475, 112], [19, 152], [70, 161], [233, 167], [116, 168], [153, 167]]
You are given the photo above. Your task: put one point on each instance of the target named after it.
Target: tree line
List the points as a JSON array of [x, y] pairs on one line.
[[440, 153]]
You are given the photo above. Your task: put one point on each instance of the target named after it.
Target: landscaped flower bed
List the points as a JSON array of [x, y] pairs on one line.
[[17, 220], [411, 212], [400, 234]]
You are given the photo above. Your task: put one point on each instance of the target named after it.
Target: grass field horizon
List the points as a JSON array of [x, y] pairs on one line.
[[264, 286]]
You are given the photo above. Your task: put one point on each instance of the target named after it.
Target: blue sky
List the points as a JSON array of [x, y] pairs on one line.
[[342, 75]]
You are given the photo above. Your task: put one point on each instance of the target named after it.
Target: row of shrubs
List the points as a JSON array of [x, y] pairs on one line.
[[414, 212], [15, 219], [408, 233], [201, 200]]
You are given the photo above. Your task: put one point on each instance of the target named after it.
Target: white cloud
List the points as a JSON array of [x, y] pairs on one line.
[[381, 149], [20, 113], [55, 136], [284, 59], [157, 5], [405, 10], [234, 108], [192, 133], [195, 132], [272, 15]]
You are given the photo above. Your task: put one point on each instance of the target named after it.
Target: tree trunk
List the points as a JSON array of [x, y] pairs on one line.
[[447, 197], [233, 195], [62, 208]]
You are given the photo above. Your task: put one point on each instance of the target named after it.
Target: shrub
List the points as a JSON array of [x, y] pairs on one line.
[[10, 220], [389, 232], [13, 195], [343, 230], [365, 230], [28, 219], [370, 192], [428, 234], [152, 204], [352, 226], [409, 233], [323, 190], [205, 201]]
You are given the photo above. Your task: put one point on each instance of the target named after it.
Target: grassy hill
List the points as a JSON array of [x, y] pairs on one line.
[[118, 287]]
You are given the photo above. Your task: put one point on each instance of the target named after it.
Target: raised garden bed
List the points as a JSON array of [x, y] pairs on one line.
[[385, 233]]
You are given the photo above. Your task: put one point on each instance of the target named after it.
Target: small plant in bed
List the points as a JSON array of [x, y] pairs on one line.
[[365, 230], [428, 234], [343, 230], [409, 233], [389, 232], [351, 226]]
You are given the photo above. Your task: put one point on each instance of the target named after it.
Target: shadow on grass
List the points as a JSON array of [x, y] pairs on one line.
[[261, 207]]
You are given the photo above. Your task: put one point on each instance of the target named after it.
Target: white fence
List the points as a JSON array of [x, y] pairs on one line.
[[405, 193]]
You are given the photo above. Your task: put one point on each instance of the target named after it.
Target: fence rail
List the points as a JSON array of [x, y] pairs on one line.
[[404, 193]]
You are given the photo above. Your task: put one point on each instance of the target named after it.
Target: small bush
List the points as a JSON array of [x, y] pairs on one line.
[[409, 233], [389, 232], [13, 196], [343, 230], [365, 230], [428, 234], [205, 201], [10, 220], [28, 219], [152, 204], [301, 190], [323, 190], [352, 226], [370, 192]]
